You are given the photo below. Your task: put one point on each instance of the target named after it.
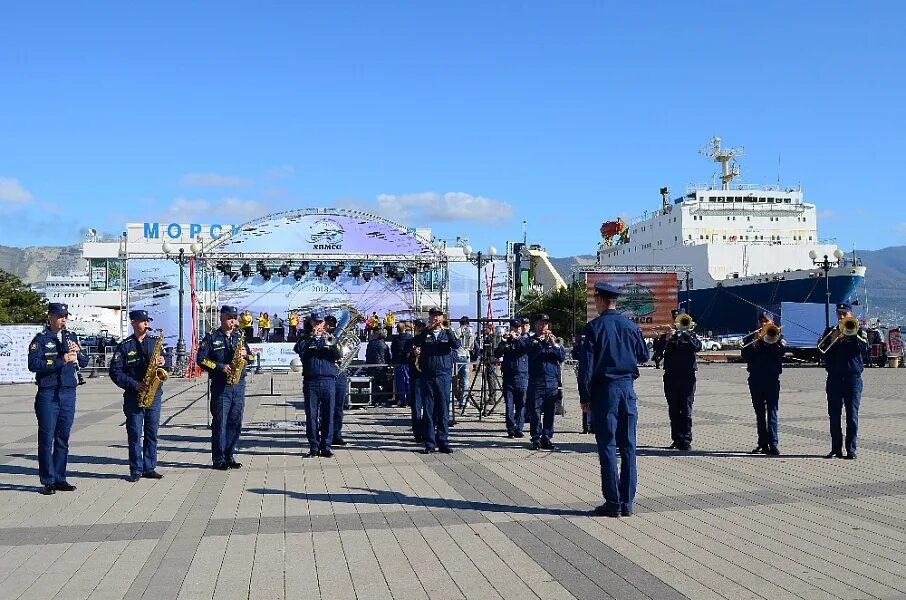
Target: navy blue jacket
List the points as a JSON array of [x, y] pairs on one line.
[[544, 361], [398, 348], [679, 354], [130, 363], [409, 355], [436, 359], [845, 357], [514, 353], [45, 360], [216, 352], [318, 359], [611, 350], [764, 361], [377, 352]]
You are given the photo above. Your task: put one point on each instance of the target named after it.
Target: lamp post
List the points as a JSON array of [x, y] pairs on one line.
[[479, 259], [180, 259], [826, 265]]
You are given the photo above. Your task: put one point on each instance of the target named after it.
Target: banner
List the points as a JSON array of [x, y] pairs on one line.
[[14, 340], [646, 298], [273, 354], [894, 342]]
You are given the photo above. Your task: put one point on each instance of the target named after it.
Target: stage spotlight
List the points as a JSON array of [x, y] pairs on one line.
[[266, 273], [355, 270], [391, 271], [377, 270], [399, 277], [319, 270], [299, 274], [332, 274], [246, 270], [412, 270], [284, 270], [366, 276]]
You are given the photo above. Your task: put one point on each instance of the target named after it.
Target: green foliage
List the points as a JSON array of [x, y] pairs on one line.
[[18, 303], [560, 305]]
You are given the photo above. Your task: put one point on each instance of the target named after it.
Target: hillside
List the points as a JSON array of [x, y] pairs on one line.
[[32, 264]]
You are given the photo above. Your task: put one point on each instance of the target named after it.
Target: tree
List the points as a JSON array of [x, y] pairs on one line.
[[18, 303], [560, 305]]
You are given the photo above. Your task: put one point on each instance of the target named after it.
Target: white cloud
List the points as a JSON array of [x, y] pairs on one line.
[[213, 180], [226, 210], [827, 214], [281, 172], [12, 191], [426, 207]]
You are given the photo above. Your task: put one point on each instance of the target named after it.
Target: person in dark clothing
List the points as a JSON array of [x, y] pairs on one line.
[[657, 354], [377, 355], [843, 347], [680, 366], [588, 424], [400, 363], [763, 355], [512, 349], [435, 348], [319, 384], [415, 393], [545, 355]]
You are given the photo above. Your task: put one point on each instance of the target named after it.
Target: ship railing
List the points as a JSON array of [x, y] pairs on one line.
[[742, 187]]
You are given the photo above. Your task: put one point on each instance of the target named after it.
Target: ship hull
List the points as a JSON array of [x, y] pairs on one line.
[[734, 309]]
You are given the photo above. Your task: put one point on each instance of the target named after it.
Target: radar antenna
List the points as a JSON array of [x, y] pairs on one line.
[[729, 169]]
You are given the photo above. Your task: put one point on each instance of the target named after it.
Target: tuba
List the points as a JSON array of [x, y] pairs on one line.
[[154, 375], [684, 322], [346, 336], [237, 365]]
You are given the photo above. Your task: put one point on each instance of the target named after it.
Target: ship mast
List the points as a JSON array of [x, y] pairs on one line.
[[728, 170]]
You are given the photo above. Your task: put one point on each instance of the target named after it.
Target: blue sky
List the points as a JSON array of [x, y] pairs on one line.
[[465, 117]]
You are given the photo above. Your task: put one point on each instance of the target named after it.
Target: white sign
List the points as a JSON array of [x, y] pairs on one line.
[[14, 341], [273, 354]]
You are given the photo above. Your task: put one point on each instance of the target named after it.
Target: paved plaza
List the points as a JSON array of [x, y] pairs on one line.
[[493, 520]]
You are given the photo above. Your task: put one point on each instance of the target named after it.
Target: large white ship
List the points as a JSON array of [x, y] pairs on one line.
[[90, 312], [737, 248]]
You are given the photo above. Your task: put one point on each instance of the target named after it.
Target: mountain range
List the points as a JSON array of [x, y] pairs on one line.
[[883, 292]]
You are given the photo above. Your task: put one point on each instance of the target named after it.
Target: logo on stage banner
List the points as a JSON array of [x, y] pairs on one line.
[[326, 234]]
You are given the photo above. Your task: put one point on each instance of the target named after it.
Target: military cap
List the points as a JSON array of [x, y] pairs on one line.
[[602, 288], [317, 315], [435, 310], [542, 317], [524, 320], [844, 306], [58, 308], [330, 319], [463, 319], [515, 322], [139, 315], [229, 311], [419, 322]]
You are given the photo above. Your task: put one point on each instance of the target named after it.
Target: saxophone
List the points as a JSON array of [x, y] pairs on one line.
[[237, 365], [154, 375]]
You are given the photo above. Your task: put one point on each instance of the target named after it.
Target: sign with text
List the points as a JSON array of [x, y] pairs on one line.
[[14, 340], [646, 298]]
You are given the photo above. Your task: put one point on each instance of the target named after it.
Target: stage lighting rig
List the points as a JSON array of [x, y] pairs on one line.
[[319, 270], [284, 270], [246, 270], [355, 270]]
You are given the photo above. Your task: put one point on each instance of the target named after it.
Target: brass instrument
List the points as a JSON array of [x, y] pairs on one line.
[[847, 326], [237, 365], [418, 352], [154, 375], [683, 322], [769, 334]]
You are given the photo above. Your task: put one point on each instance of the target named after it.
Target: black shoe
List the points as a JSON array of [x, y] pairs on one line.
[[672, 446], [684, 447], [419, 439], [326, 453], [64, 486], [234, 465], [625, 513], [772, 450], [546, 444], [312, 454], [428, 451], [758, 450], [606, 510], [835, 454], [339, 441], [133, 477], [536, 446], [509, 434], [445, 450], [48, 490], [152, 475], [518, 434], [221, 467], [850, 456]]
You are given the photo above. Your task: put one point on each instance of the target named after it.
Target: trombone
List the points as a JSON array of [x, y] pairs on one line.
[[769, 334], [847, 326]]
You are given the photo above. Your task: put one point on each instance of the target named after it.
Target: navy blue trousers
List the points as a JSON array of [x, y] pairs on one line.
[[436, 401], [319, 406], [340, 396], [541, 402], [844, 392], [514, 396], [55, 410], [765, 401], [680, 393], [615, 414], [417, 408], [142, 452], [401, 383], [227, 405]]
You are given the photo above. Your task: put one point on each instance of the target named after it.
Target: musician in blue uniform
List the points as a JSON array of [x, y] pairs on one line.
[[215, 355], [545, 355], [843, 362], [609, 357], [764, 359], [415, 393], [127, 370], [54, 356], [319, 384], [401, 363], [435, 347], [513, 350], [341, 390], [680, 366]]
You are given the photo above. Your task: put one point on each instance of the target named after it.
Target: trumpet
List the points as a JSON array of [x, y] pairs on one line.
[[683, 322], [769, 334], [848, 326]]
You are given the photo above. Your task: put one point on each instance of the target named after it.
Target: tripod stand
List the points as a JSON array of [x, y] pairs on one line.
[[490, 389]]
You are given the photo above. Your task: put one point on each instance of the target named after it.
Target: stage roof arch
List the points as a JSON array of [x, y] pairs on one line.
[[325, 233]]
